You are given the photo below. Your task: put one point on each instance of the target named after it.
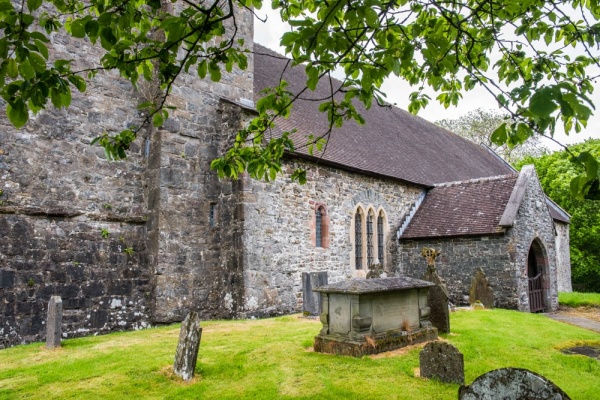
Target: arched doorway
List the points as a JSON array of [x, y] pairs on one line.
[[536, 276]]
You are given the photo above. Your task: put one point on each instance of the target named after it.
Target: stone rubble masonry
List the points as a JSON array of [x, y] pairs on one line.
[[503, 258], [277, 231], [563, 259], [198, 266], [60, 194]]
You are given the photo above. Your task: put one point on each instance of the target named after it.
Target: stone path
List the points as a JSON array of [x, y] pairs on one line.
[[578, 321]]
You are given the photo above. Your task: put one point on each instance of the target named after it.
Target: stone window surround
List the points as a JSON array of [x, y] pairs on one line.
[[376, 211], [315, 207]]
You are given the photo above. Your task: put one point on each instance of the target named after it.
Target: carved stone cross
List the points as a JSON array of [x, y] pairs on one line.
[[430, 254]]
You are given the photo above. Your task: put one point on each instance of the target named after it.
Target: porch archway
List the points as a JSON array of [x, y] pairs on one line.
[[537, 276]]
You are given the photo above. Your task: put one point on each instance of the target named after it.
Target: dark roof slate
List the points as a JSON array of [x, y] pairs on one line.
[[557, 213], [392, 143], [465, 208]]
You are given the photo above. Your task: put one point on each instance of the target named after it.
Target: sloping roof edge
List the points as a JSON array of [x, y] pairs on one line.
[[516, 197], [499, 232], [344, 167], [559, 213]]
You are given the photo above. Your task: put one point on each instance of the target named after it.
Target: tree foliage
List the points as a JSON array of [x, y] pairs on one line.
[[478, 127], [555, 172], [519, 50]]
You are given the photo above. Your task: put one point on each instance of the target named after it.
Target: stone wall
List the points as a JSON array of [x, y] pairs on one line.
[[458, 262], [278, 219], [563, 259], [59, 193], [534, 222], [197, 265], [503, 258], [161, 258]]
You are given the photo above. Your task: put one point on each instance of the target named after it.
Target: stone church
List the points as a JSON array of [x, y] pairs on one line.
[[141, 242]]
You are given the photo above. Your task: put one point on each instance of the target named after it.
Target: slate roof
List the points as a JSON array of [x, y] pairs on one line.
[[557, 213], [464, 208], [393, 143]]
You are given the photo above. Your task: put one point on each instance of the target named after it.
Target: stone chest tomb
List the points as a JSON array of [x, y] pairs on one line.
[[369, 316]]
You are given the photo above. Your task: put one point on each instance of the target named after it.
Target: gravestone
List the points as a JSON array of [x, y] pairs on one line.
[[187, 347], [438, 295], [511, 383], [481, 290], [311, 301], [54, 322], [442, 361]]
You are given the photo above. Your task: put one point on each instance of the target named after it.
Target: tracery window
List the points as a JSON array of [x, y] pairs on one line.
[[358, 257], [370, 239], [370, 227], [380, 241]]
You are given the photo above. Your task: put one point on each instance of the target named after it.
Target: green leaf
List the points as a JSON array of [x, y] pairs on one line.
[[33, 5], [542, 102], [78, 28], [313, 77], [215, 72], [78, 82], [202, 67], [41, 48], [12, 68], [157, 119], [107, 38], [37, 62], [499, 136], [60, 97], [17, 114], [26, 70]]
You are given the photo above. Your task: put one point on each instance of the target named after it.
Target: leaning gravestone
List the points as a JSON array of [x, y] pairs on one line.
[[442, 361], [481, 290], [54, 322], [187, 347], [511, 383], [438, 295], [311, 301]]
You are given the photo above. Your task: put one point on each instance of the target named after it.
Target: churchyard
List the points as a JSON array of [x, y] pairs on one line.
[[273, 358]]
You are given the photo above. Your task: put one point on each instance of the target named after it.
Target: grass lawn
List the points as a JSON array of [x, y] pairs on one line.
[[272, 359], [576, 299]]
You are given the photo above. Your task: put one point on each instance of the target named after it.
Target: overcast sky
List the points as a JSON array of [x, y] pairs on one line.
[[269, 33]]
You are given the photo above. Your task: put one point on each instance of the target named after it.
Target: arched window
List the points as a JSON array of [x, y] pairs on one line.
[[319, 222], [380, 237], [319, 225], [358, 257], [370, 239]]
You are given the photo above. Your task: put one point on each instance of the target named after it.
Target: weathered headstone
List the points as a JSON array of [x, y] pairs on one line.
[[481, 290], [311, 301], [438, 295], [511, 383], [442, 361], [54, 322], [187, 347]]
